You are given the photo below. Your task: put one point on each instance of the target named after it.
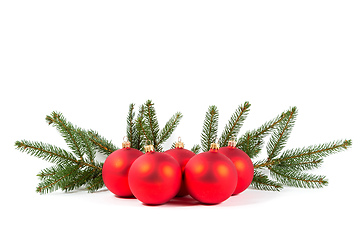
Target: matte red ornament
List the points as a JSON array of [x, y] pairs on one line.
[[210, 177], [116, 168], [243, 165], [155, 177], [182, 156]]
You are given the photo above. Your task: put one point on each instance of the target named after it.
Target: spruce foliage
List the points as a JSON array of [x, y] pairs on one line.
[[262, 182], [196, 149], [210, 128], [131, 131], [100, 143], [146, 129], [281, 134], [78, 167], [234, 124], [252, 142], [72, 169], [286, 166]]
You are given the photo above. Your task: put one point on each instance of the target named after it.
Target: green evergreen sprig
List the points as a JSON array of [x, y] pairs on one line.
[[78, 167], [145, 130], [234, 124], [131, 130], [295, 178], [72, 169], [196, 149], [210, 128], [286, 168], [281, 134], [252, 142], [262, 182], [100, 143]]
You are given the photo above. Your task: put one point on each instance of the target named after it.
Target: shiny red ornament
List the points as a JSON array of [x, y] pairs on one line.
[[243, 165], [182, 156], [210, 177], [116, 168], [155, 177]]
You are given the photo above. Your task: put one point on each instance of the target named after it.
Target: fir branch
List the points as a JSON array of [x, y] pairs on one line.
[[51, 153], [95, 183], [261, 163], [55, 181], [131, 131], [236, 121], [77, 168], [67, 131], [262, 182], [72, 169], [48, 172], [47, 152], [101, 144], [210, 128], [151, 123], [86, 145], [281, 134], [142, 128], [297, 178], [315, 151], [310, 154], [79, 179], [301, 164], [147, 127], [196, 149], [252, 141], [169, 128]]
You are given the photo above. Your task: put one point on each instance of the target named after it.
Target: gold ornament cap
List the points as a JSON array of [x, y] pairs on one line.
[[126, 143], [179, 144], [232, 143], [214, 146], [149, 148]]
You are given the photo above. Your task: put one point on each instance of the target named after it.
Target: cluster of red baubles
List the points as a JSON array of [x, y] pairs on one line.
[[155, 178]]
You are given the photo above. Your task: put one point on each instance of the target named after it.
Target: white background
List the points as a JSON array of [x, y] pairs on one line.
[[91, 59]]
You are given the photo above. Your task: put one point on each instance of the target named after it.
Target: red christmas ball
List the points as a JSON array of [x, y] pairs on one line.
[[155, 178], [243, 165], [182, 156], [116, 168], [210, 177]]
